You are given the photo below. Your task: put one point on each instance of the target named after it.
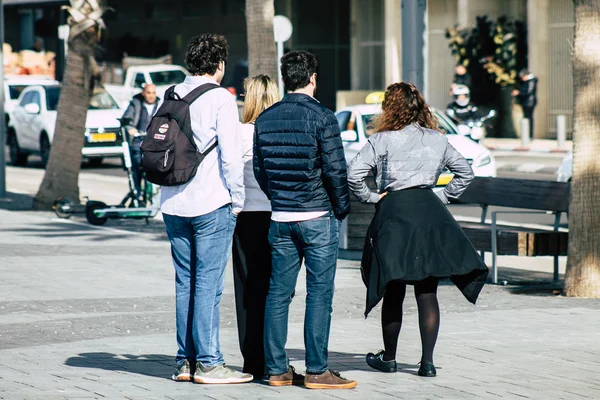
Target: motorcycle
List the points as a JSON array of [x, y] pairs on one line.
[[473, 128]]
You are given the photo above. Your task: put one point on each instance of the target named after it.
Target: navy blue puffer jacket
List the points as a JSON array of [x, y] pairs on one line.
[[299, 158]]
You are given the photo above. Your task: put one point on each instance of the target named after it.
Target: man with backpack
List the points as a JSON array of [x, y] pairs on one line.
[[193, 149]]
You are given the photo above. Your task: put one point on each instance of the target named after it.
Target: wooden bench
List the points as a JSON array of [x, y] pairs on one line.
[[526, 196]]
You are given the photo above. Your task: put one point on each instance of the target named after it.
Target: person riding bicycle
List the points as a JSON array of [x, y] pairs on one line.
[[139, 113], [461, 109]]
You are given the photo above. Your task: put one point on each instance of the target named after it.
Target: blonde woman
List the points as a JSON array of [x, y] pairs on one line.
[[251, 250]]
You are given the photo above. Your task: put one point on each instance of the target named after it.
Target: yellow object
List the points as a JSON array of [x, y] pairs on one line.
[[444, 179], [375, 98], [103, 137]]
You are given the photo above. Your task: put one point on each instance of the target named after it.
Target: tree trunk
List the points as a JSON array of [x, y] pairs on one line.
[[62, 171], [262, 52], [583, 266]]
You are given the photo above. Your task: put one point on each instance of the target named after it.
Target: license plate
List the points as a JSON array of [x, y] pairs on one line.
[[444, 179], [103, 137]]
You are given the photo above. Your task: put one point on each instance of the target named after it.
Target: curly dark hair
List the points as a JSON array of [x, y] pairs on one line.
[[403, 105], [205, 52], [296, 69]]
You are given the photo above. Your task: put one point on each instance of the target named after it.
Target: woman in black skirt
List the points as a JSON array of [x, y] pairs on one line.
[[413, 239], [251, 250]]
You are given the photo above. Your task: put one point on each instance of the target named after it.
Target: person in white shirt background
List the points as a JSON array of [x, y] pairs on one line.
[[251, 249], [200, 217]]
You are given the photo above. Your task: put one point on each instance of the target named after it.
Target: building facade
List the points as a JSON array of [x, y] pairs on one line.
[[358, 42]]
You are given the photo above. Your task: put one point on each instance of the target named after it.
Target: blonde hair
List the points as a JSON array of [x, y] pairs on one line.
[[261, 93]]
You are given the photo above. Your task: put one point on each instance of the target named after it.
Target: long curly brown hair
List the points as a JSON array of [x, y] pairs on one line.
[[403, 105]]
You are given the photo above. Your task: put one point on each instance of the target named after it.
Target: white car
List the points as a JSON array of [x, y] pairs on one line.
[[162, 75], [565, 171], [31, 129], [354, 121], [15, 84]]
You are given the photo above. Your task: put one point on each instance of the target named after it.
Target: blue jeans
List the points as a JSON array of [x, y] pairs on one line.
[[200, 247], [315, 241]]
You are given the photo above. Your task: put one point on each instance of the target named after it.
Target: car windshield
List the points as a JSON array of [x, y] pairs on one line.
[[101, 100], [15, 91], [164, 78], [52, 95], [443, 124]]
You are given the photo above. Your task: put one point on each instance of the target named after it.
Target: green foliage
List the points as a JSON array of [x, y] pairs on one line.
[[489, 45]]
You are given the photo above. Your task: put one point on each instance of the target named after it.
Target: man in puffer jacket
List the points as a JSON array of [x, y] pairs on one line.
[[299, 163]]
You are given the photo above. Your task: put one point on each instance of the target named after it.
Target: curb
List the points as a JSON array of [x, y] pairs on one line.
[[522, 150]]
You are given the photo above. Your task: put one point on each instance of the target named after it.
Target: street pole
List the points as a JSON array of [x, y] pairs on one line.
[[2, 116], [413, 42]]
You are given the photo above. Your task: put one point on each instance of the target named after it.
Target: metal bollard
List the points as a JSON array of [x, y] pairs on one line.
[[525, 138], [561, 131]]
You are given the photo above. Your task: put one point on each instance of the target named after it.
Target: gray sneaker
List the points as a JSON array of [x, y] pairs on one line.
[[183, 373], [219, 374]]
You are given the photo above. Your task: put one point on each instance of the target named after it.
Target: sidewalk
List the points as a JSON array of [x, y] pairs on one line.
[[535, 147], [80, 317]]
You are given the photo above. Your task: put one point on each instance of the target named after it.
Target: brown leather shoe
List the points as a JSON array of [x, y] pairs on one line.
[[288, 379], [328, 380]]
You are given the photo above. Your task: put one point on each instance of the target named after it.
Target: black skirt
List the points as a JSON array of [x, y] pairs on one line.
[[412, 237]]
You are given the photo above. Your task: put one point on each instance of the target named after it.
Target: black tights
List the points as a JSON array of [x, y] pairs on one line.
[[429, 316]]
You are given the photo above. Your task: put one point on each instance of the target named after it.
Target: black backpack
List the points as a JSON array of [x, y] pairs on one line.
[[170, 156]]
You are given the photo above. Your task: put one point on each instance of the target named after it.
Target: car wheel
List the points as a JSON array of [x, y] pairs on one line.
[[18, 158], [95, 161], [45, 149]]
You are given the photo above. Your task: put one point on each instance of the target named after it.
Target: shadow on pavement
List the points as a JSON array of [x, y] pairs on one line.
[[154, 365], [17, 202], [162, 366], [343, 362]]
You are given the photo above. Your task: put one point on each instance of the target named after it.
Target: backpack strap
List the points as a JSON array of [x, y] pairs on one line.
[[202, 156], [170, 93], [199, 91]]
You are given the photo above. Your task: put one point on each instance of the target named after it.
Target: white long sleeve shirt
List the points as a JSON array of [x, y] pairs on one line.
[[256, 200], [220, 177]]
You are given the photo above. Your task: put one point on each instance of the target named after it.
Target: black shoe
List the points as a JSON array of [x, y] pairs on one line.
[[427, 369], [376, 361]]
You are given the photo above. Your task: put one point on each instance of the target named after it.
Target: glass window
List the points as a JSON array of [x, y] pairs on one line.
[[140, 81], [52, 96], [165, 78], [343, 119], [194, 8], [36, 98], [101, 100], [15, 91], [26, 99], [366, 120], [444, 124]]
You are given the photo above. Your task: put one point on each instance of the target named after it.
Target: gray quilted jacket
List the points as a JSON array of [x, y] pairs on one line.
[[412, 157]]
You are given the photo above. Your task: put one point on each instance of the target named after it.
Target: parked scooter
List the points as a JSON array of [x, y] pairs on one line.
[[134, 205]]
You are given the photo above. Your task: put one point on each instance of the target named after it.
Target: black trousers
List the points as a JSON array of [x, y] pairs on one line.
[[251, 275], [528, 113]]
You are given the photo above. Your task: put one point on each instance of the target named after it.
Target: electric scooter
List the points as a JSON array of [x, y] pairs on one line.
[[134, 205]]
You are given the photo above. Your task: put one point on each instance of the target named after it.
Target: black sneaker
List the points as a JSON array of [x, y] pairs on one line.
[[427, 369], [376, 361]]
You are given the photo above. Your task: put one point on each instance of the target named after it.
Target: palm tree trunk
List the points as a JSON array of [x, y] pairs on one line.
[[62, 171], [262, 54], [583, 266]]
